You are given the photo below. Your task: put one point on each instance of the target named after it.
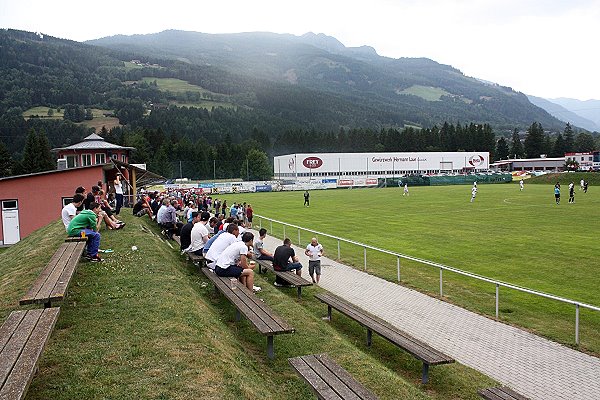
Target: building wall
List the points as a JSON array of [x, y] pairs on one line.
[[40, 196], [377, 164]]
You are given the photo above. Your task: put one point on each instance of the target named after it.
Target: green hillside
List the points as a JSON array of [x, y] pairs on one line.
[[148, 325]]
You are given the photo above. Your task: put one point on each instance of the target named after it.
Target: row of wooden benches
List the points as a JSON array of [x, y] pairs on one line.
[[327, 378], [24, 334]]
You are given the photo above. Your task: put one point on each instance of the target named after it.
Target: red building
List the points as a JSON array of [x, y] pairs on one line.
[[94, 150], [29, 202]]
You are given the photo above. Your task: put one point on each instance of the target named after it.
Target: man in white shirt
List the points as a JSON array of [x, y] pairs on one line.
[[314, 251], [199, 235], [221, 243], [473, 193], [233, 262], [70, 210]]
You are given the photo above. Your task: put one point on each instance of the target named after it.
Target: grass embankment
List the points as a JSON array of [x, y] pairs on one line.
[[522, 238], [147, 325], [564, 178]]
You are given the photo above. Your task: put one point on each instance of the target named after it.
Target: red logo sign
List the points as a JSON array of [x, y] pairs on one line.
[[312, 162], [476, 161], [346, 182]]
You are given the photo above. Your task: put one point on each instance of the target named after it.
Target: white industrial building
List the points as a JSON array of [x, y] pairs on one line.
[[377, 165]]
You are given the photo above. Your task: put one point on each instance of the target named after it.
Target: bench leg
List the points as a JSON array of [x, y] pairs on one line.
[[270, 351], [299, 291], [369, 337], [47, 304], [329, 312], [425, 377], [238, 316]]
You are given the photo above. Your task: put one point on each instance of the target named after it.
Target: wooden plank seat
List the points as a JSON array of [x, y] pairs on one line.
[[76, 239], [51, 285], [289, 276], [266, 321], [420, 350], [329, 380], [197, 260], [500, 393], [23, 337]]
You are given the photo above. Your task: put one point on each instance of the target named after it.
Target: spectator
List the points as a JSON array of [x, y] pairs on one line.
[[259, 251], [314, 251], [118, 192], [233, 211], [167, 219], [142, 208], [82, 191], [199, 235], [90, 197], [233, 262], [88, 222], [249, 215], [70, 210], [221, 243], [285, 259], [185, 236]]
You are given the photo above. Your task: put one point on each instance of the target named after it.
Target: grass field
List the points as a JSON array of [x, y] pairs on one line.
[[425, 92], [146, 324], [97, 123], [522, 238]]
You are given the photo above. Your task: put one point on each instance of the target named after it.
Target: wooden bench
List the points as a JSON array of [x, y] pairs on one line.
[[76, 239], [54, 279], [197, 260], [254, 309], [22, 340], [328, 379], [289, 276], [420, 350], [500, 393]]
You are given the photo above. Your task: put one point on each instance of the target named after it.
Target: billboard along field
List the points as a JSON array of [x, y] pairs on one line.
[[519, 237]]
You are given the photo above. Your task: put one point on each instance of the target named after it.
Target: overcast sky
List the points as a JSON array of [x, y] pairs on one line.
[[546, 48]]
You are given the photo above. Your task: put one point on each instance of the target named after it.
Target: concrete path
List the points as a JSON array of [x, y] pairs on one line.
[[533, 366]]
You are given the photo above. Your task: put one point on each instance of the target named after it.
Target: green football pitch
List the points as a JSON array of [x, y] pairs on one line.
[[519, 237]]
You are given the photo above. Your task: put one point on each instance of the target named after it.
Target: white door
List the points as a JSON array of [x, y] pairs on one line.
[[10, 221]]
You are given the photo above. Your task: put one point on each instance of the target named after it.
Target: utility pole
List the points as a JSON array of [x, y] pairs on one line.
[[215, 170], [247, 171], [180, 173]]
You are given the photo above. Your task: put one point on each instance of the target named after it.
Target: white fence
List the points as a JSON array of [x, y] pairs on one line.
[[441, 268]]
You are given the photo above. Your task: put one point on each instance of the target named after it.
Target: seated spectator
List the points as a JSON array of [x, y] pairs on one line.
[[167, 218], [199, 235], [70, 210], [185, 236], [210, 242], [87, 221], [285, 259], [233, 262], [82, 191], [259, 251], [90, 197], [106, 214], [142, 208], [220, 244]]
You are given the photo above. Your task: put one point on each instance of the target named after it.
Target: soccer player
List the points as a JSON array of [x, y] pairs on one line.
[[571, 192], [557, 193], [521, 185], [405, 190], [473, 193], [306, 198]]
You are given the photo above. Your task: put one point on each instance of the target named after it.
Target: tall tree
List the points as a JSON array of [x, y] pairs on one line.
[[257, 167], [516, 147], [569, 138], [45, 161], [6, 162], [28, 163], [534, 141], [502, 150], [584, 143], [560, 148]]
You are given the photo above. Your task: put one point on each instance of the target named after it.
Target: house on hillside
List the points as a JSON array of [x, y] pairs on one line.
[[94, 150]]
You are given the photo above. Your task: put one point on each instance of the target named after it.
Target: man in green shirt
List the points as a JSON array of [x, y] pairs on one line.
[[87, 222]]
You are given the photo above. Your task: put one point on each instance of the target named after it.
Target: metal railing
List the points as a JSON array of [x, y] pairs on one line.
[[441, 267]]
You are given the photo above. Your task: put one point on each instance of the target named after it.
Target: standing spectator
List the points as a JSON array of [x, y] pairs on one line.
[[87, 221], [259, 250], [118, 193], [233, 211], [224, 208], [70, 210], [306, 198], [314, 251], [285, 259], [249, 215]]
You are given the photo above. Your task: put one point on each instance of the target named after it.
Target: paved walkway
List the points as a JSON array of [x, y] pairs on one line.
[[531, 365]]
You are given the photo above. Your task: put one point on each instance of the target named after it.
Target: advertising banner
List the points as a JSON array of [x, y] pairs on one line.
[[345, 182], [264, 188]]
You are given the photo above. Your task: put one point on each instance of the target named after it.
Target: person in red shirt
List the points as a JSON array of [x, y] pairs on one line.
[[249, 213]]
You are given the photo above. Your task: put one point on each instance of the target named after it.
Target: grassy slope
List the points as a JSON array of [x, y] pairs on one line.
[[146, 325], [522, 238]]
